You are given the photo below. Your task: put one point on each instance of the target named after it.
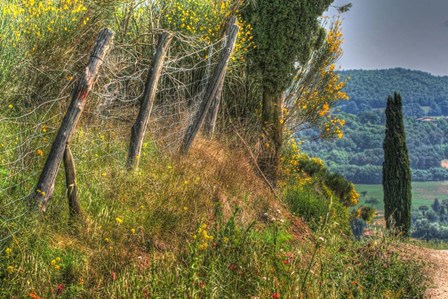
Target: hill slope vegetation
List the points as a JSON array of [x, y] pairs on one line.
[[359, 155]]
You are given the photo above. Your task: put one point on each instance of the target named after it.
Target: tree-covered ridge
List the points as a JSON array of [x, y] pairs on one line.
[[369, 89], [359, 155]]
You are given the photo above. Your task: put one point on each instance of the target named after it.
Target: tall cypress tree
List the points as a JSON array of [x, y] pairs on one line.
[[284, 32], [396, 169]]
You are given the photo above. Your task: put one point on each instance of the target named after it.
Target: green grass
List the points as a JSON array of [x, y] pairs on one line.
[[164, 232], [423, 193]]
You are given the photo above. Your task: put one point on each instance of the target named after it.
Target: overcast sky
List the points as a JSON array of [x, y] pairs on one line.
[[396, 33]]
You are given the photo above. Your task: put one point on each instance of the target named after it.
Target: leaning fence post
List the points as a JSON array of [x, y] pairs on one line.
[[45, 185], [70, 182], [211, 91], [139, 127], [212, 115]]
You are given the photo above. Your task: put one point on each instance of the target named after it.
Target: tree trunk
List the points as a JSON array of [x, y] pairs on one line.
[[139, 127], [273, 135], [45, 185]]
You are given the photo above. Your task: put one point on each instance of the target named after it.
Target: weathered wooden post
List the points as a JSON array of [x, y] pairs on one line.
[[139, 127], [70, 182], [212, 115], [45, 185], [211, 91]]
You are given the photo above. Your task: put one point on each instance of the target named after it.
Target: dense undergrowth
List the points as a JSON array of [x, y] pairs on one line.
[[202, 227]]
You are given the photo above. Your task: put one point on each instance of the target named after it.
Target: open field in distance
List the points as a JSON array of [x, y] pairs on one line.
[[423, 193]]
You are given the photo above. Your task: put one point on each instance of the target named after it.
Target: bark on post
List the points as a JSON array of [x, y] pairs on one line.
[[212, 115], [45, 185], [70, 182], [211, 92], [139, 127]]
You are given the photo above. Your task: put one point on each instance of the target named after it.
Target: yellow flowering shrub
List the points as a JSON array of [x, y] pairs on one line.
[[317, 87], [207, 19], [30, 21], [43, 35], [305, 172]]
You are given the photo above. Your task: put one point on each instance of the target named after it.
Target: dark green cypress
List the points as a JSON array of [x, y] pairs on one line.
[[396, 170]]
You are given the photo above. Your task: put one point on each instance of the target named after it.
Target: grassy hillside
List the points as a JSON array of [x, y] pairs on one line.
[[202, 224], [202, 227]]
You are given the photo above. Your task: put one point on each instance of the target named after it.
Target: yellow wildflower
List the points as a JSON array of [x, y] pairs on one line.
[[42, 193]]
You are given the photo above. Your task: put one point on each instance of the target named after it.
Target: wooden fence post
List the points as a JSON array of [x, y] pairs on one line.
[[212, 115], [139, 127], [70, 182], [45, 185], [211, 91]]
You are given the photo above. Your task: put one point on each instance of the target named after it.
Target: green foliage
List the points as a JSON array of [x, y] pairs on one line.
[[358, 156], [342, 188], [368, 88], [306, 203], [396, 170], [312, 192], [300, 166], [367, 213], [431, 223], [284, 32], [47, 37]]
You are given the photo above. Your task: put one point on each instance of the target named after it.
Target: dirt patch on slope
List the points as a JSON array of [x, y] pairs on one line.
[[439, 287]]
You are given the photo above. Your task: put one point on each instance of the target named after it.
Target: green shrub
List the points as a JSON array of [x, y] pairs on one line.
[[317, 210], [304, 202]]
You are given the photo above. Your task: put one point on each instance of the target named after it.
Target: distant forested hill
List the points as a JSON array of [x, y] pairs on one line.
[[423, 93], [359, 155]]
